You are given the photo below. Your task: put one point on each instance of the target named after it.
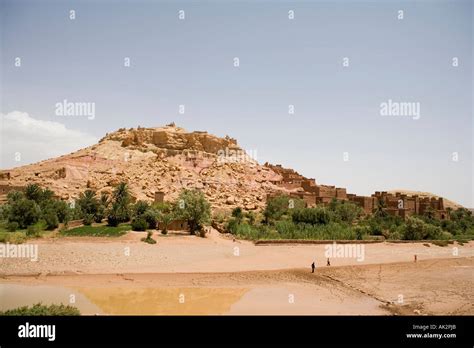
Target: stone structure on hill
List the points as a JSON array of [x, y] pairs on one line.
[[159, 162], [312, 194]]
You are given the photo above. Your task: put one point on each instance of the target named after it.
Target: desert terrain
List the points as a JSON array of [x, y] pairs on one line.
[[188, 275]]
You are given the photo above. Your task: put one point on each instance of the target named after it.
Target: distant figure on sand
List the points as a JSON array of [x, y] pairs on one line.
[[313, 266], [328, 263], [415, 258]]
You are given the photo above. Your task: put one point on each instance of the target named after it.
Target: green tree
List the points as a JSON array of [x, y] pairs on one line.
[[165, 218], [313, 216], [121, 203], [113, 215], [140, 208], [88, 202], [33, 192], [102, 207], [193, 207], [151, 217], [14, 196], [139, 221], [281, 205], [414, 229], [51, 218], [345, 211], [25, 212], [62, 211]]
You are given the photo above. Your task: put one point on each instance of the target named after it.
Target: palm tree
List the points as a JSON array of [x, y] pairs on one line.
[[165, 219], [121, 202], [88, 202], [121, 194], [104, 199], [380, 208], [33, 192]]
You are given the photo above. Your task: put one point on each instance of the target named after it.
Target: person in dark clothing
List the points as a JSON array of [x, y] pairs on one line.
[[313, 266], [328, 263]]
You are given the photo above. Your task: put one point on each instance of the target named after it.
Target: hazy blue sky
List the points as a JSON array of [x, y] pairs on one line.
[[282, 62]]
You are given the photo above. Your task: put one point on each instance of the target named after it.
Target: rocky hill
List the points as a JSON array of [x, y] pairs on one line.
[[168, 159], [165, 159]]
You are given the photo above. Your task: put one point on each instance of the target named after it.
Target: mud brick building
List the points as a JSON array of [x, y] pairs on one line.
[[397, 204]]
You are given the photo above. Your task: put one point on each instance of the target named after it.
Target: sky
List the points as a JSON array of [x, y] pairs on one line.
[[334, 62]]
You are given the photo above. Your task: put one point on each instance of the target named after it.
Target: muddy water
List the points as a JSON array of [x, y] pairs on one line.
[[163, 301], [124, 301], [14, 295]]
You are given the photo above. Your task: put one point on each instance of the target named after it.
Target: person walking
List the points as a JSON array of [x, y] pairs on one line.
[[328, 263], [313, 266]]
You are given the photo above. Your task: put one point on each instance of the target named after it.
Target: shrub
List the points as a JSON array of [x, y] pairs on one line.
[[395, 235], [25, 212], [33, 231], [99, 216], [220, 216], [112, 220], [150, 217], [251, 217], [286, 229], [360, 232], [42, 310], [62, 211], [433, 232], [312, 216], [232, 226], [51, 219], [12, 226], [88, 219], [12, 237], [140, 208], [441, 243], [117, 214], [139, 224], [445, 235], [237, 213], [414, 229], [149, 238]]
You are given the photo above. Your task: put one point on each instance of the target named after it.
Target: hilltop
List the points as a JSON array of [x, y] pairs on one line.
[[163, 159]]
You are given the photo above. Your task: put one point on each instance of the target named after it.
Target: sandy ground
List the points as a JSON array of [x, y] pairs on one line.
[[190, 275], [185, 253]]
